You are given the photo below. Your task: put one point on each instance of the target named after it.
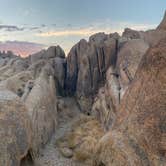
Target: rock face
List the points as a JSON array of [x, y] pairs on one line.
[[113, 77], [41, 105], [118, 79], [138, 135], [128, 60], [87, 63], [131, 34], [131, 48], [34, 81], [51, 52], [15, 129]]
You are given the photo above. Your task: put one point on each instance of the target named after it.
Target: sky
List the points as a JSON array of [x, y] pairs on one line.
[[27, 26]]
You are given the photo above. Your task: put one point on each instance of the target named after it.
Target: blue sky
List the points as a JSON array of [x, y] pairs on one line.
[[65, 22]]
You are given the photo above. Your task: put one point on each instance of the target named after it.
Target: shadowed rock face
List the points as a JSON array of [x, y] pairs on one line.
[[87, 63], [15, 130], [138, 136]]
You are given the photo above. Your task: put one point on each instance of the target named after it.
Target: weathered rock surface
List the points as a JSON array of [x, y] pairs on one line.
[[138, 135], [87, 63], [51, 52], [128, 60], [131, 34], [35, 83], [131, 48], [41, 105], [118, 79], [130, 103], [15, 129], [66, 152]]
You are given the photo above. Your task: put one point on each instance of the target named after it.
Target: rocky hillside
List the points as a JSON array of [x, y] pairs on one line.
[[118, 80]]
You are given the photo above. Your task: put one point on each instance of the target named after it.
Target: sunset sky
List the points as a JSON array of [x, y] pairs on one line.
[[27, 26]]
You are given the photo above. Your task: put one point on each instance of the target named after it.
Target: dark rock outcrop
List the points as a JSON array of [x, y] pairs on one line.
[[87, 63]]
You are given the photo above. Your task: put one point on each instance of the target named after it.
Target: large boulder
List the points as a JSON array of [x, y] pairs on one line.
[[138, 136], [15, 129], [131, 34], [54, 51], [41, 105], [51, 52], [37, 84]]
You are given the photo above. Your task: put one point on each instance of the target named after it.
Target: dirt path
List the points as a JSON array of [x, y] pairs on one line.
[[50, 156]]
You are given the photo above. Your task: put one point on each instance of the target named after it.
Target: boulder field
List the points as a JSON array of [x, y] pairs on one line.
[[118, 81]]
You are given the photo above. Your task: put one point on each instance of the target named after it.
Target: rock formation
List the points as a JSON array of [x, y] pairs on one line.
[[41, 105], [34, 80], [132, 46], [87, 63], [138, 135], [120, 80], [15, 129]]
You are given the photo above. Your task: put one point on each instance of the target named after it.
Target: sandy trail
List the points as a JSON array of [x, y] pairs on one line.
[[50, 155]]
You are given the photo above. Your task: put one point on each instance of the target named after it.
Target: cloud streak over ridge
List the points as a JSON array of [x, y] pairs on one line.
[[98, 27]]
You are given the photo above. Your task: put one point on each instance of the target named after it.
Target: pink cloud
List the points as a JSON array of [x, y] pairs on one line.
[[21, 47]]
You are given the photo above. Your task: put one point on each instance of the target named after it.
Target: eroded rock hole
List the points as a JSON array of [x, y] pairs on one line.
[[101, 164], [27, 160]]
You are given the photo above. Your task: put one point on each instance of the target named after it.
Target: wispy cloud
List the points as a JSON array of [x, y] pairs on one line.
[[15, 28], [11, 28], [21, 47], [34, 28], [79, 32], [107, 27]]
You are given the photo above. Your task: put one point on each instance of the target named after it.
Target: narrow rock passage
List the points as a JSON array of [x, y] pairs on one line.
[[50, 156]]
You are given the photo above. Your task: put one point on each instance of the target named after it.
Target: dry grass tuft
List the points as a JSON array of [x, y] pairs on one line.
[[82, 138]]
